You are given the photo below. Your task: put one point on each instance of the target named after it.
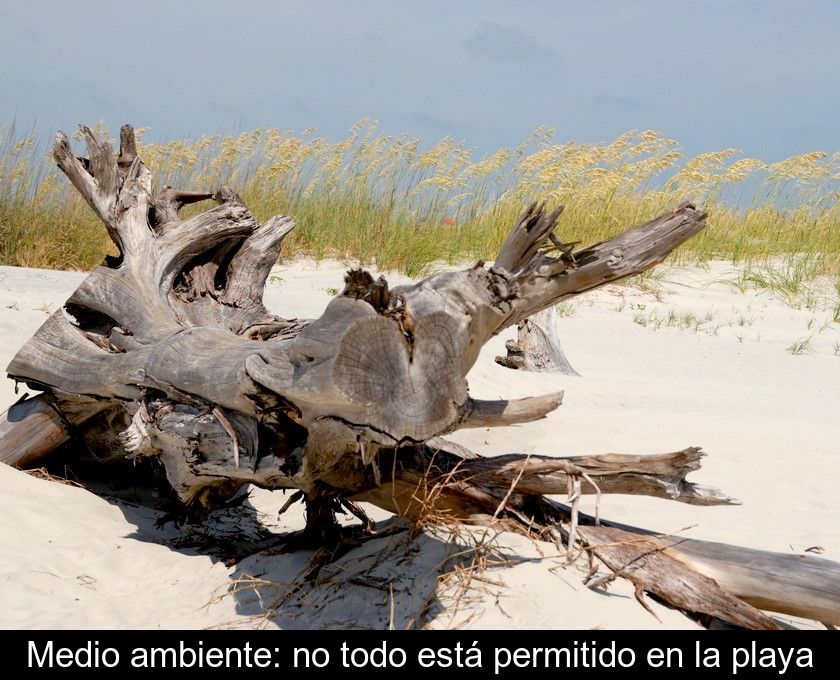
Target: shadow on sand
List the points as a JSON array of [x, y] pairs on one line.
[[390, 581]]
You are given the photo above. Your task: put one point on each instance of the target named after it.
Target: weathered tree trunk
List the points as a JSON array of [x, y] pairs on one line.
[[167, 351], [537, 347]]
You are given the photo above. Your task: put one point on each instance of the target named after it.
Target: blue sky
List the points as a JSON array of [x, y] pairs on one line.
[[762, 76]]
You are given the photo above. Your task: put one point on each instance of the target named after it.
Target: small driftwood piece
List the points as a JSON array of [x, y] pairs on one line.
[[537, 347], [167, 352]]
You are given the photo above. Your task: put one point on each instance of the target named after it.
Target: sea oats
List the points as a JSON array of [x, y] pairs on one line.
[[396, 200]]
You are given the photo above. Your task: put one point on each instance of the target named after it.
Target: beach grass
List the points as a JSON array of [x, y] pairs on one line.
[[395, 202]]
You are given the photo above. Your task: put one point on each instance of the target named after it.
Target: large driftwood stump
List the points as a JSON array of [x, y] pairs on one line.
[[167, 352]]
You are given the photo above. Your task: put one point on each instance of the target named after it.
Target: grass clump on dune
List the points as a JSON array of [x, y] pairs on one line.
[[387, 199]]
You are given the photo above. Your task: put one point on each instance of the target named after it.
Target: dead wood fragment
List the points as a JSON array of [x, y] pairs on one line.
[[537, 347]]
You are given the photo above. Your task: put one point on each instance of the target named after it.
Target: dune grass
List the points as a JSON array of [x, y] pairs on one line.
[[377, 198]]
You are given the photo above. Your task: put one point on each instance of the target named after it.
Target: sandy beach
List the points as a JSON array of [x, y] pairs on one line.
[[685, 358]]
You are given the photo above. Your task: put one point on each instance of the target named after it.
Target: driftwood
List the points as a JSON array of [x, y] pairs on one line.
[[537, 347], [167, 352]]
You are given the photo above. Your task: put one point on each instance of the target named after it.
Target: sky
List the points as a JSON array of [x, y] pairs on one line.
[[759, 75]]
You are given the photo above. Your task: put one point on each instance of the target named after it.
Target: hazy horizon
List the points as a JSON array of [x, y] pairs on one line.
[[758, 76]]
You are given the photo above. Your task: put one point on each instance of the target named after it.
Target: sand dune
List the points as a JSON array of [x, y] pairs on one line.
[[685, 360]]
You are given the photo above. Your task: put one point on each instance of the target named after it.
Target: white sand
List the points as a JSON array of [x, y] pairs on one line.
[[767, 418]]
